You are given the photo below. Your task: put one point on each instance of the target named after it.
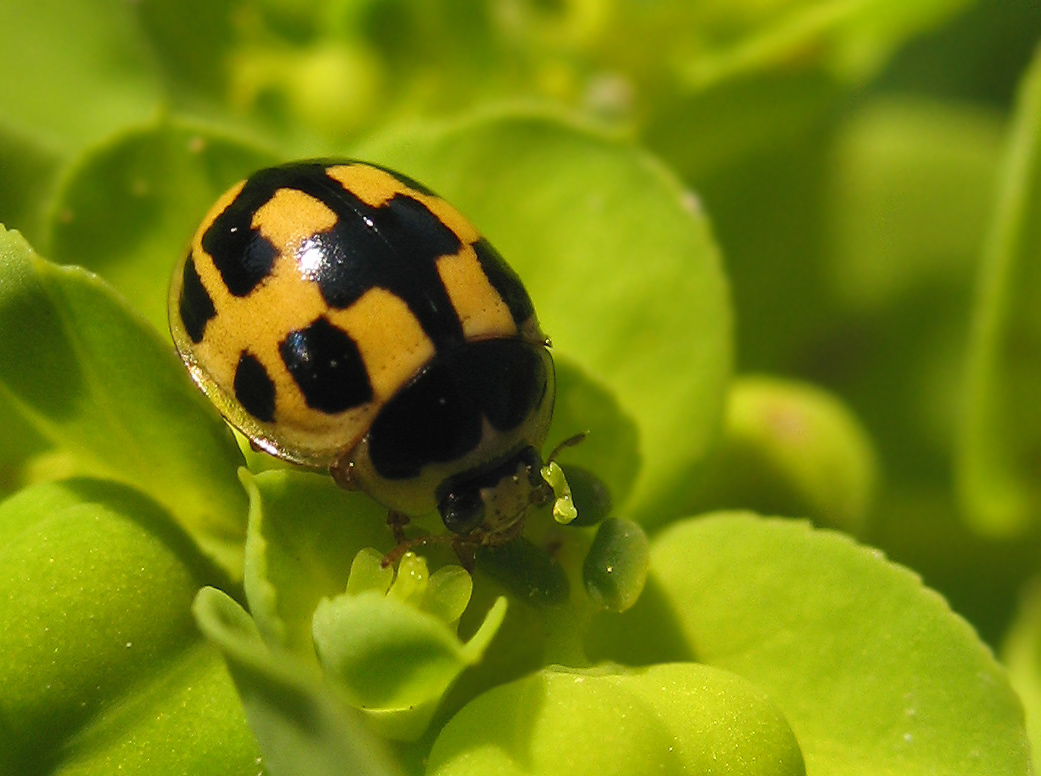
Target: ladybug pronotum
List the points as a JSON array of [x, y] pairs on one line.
[[343, 316]]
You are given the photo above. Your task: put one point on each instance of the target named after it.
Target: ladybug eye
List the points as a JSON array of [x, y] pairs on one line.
[[462, 510]]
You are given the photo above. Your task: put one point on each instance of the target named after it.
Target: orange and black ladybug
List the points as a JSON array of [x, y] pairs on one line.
[[343, 316]]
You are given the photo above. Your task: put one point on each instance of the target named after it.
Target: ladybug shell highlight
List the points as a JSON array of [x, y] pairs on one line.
[[342, 315]]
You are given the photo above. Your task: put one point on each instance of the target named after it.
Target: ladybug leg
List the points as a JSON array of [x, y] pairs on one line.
[[397, 522], [407, 545], [467, 554], [464, 547], [342, 472]]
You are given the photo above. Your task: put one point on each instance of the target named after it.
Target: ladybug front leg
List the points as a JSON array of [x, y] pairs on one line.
[[409, 545], [466, 552], [397, 522], [342, 471]]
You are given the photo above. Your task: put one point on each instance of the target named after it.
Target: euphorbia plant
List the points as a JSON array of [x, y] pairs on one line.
[[173, 602]]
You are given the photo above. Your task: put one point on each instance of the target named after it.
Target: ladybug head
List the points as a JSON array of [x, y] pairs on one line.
[[493, 500]]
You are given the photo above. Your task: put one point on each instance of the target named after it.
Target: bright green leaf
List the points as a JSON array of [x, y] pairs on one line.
[[619, 261], [304, 533], [303, 727], [392, 660], [667, 719], [127, 209], [189, 720], [872, 670], [99, 385], [1000, 444], [103, 669]]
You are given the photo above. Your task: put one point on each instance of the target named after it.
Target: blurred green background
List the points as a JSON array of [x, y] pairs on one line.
[[849, 156]]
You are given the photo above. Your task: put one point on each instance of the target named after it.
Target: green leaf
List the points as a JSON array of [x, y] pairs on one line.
[[1000, 444], [22, 445], [584, 404], [99, 385], [308, 543], [1021, 652], [793, 449], [189, 720], [619, 261], [303, 728], [72, 72], [716, 127], [872, 670], [191, 39], [103, 668], [27, 171], [393, 660], [907, 200], [977, 58], [850, 39], [128, 208], [304, 532], [667, 719]]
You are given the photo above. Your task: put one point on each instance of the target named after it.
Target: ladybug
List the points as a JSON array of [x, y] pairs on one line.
[[344, 317]]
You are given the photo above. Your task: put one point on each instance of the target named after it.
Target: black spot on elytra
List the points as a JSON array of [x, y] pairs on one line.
[[507, 378], [254, 389], [195, 305], [432, 420], [394, 246], [326, 365], [436, 418], [241, 255], [505, 281]]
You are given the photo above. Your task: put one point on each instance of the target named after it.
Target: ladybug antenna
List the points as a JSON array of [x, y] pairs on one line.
[[569, 442]]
